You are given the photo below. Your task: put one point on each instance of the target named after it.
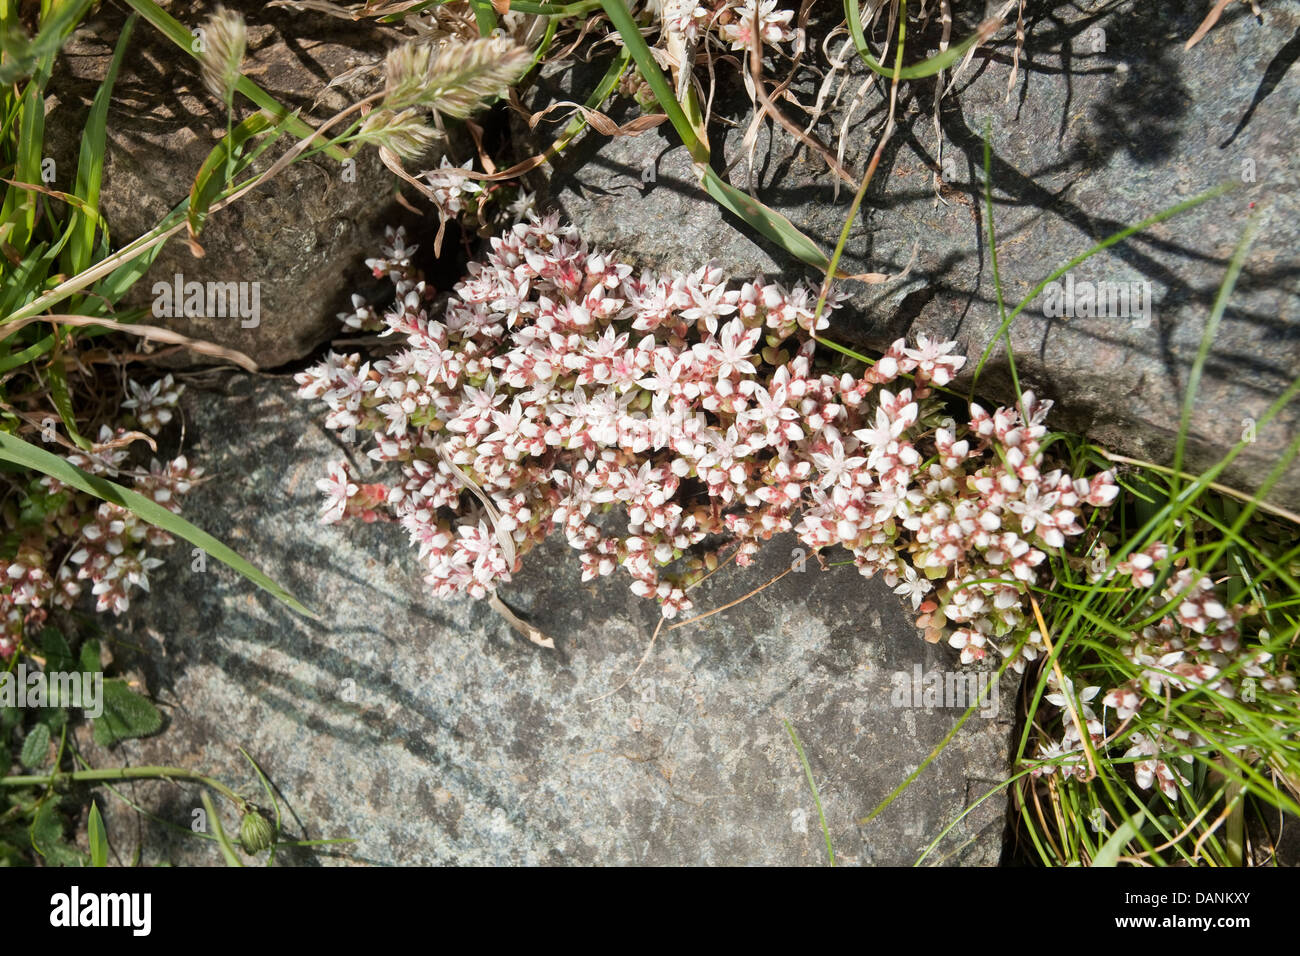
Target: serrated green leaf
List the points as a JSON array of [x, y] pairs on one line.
[[36, 748], [97, 837], [89, 658], [24, 453], [46, 828], [55, 650], [46, 833], [126, 715]]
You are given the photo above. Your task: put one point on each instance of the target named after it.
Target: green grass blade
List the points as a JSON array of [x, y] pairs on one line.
[[1207, 339], [21, 358], [97, 837], [24, 283], [90, 164], [812, 785], [484, 16], [223, 841], [19, 452], [1106, 243], [116, 284], [767, 222], [621, 17], [916, 71], [175, 31], [62, 398], [19, 209], [1110, 851], [215, 173], [554, 10], [598, 96]]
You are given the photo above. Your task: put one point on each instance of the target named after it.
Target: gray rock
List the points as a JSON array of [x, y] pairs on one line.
[[432, 733], [1086, 144], [301, 237]]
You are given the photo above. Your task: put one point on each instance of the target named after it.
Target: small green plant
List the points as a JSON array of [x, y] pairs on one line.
[[1160, 707], [57, 254], [39, 808], [62, 278], [1183, 613]]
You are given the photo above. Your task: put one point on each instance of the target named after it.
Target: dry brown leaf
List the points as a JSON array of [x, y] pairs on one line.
[[601, 123], [152, 332], [121, 441], [518, 623], [1207, 24]]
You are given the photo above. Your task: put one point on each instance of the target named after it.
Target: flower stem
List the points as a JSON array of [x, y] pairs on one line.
[[122, 773]]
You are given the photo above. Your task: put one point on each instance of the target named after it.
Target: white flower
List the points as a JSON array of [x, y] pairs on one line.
[[338, 491], [773, 24], [913, 587]]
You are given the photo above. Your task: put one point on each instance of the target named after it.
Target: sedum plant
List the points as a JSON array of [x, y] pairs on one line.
[[665, 423], [1186, 642], [59, 540]]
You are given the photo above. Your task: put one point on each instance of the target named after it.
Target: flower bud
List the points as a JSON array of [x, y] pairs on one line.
[[256, 832]]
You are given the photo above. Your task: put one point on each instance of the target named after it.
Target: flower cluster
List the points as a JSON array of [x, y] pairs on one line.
[[475, 206], [731, 22], [1195, 642], [664, 423], [452, 193], [155, 405], [58, 539]]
